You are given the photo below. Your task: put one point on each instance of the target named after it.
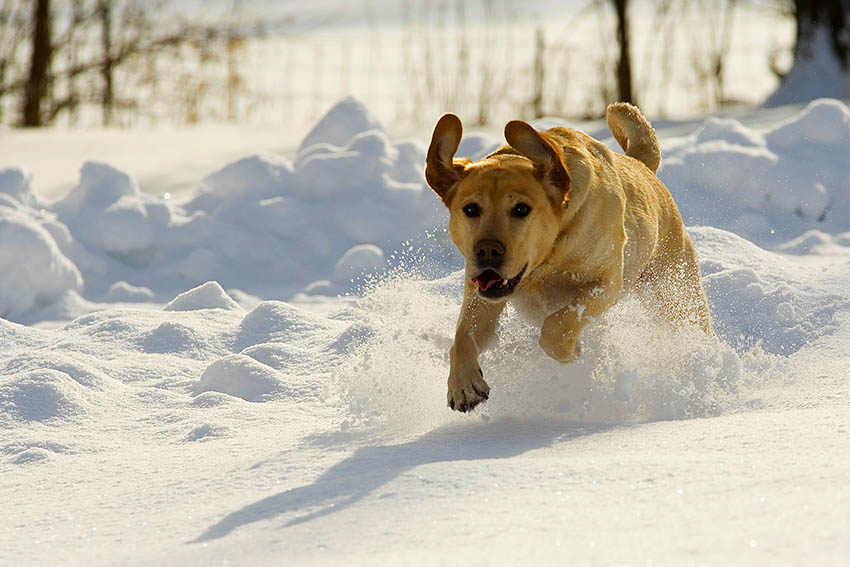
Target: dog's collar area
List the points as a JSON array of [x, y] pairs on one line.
[[492, 285]]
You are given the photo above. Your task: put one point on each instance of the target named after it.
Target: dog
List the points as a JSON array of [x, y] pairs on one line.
[[561, 226]]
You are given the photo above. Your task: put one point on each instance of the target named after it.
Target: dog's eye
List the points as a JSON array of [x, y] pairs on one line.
[[472, 210], [520, 210]]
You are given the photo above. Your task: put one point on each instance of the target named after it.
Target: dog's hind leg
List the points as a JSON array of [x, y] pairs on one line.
[[675, 287]]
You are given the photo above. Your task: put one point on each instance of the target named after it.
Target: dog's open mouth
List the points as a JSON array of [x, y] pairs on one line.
[[492, 285]]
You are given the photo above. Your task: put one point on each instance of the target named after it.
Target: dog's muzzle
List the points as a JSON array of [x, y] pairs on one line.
[[492, 285]]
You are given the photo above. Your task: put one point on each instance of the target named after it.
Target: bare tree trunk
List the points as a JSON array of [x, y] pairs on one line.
[[539, 73], [37, 84], [624, 65], [107, 100], [821, 54], [828, 14]]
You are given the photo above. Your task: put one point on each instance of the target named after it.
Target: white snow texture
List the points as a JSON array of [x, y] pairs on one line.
[[172, 410]]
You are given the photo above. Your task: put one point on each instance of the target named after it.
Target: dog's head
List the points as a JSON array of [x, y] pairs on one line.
[[505, 210]]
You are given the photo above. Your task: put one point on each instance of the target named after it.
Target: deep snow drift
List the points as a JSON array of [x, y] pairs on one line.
[[263, 224], [206, 425], [352, 199]]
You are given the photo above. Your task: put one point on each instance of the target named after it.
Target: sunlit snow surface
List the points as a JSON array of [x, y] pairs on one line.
[[182, 419]]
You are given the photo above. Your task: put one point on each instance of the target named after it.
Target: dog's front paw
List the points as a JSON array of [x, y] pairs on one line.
[[467, 391]]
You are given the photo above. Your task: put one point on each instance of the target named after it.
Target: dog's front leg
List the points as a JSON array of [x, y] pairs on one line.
[[560, 332], [475, 327]]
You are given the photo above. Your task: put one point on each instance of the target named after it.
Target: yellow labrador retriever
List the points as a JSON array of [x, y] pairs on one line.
[[561, 226]]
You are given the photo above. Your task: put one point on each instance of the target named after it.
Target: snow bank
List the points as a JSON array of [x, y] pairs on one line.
[[381, 361], [34, 271], [353, 203], [766, 186], [263, 224], [764, 298]]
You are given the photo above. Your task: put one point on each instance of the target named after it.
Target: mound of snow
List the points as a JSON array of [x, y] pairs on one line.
[[353, 203], [262, 224], [100, 185], [123, 291], [207, 296], [728, 131], [108, 214], [359, 260], [770, 186], [173, 337], [817, 242], [17, 184], [824, 124], [760, 297], [342, 122], [276, 321], [78, 367], [258, 176], [242, 377], [33, 270], [40, 395]]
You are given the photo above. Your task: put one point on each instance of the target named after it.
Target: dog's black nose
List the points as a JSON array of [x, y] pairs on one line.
[[489, 253]]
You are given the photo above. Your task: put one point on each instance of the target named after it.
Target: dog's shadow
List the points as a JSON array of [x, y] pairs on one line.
[[369, 468]]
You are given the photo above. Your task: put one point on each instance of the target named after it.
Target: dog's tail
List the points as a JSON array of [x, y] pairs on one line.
[[634, 133]]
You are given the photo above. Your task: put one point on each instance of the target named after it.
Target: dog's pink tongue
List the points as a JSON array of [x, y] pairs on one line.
[[487, 280]]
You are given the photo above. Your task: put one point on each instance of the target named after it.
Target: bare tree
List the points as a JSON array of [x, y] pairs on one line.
[[821, 52], [13, 32], [624, 62], [96, 52], [37, 83], [539, 73]]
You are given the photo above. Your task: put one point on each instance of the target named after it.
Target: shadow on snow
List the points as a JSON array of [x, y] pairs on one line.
[[369, 468]]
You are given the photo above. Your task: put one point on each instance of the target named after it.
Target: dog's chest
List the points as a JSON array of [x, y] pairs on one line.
[[544, 296]]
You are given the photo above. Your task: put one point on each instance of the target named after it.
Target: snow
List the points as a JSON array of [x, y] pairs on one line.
[[195, 392], [207, 296], [34, 269], [359, 260], [796, 178], [816, 73], [263, 225]]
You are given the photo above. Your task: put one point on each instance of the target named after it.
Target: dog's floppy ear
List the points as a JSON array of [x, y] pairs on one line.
[[548, 165], [442, 171]]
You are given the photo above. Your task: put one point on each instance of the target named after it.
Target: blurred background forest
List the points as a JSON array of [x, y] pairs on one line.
[[139, 63]]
